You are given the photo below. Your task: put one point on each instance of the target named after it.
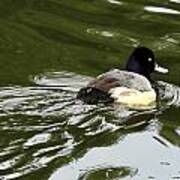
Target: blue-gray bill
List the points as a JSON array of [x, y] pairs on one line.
[[161, 69]]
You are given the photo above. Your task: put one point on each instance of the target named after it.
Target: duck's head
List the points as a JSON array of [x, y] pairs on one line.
[[142, 61]]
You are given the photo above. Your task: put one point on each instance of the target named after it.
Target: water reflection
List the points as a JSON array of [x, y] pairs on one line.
[[49, 124], [108, 173], [163, 163]]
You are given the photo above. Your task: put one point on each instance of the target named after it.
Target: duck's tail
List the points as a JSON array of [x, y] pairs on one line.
[[92, 95]]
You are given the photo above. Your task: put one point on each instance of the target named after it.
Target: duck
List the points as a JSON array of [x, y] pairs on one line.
[[132, 87]]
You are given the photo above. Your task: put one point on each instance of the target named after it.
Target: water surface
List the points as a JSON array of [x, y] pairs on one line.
[[49, 49]]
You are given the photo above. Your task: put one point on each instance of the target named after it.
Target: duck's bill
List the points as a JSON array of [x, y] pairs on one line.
[[161, 69]]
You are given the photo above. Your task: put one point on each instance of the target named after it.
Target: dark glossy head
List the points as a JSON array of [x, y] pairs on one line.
[[142, 61]]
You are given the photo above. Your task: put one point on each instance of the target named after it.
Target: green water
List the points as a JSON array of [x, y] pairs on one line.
[[49, 49]]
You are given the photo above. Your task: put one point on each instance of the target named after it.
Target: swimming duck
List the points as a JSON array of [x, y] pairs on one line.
[[132, 87]]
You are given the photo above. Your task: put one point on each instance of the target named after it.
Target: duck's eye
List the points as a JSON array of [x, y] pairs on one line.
[[150, 59]]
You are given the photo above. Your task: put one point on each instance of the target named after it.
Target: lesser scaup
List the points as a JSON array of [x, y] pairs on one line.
[[131, 87]]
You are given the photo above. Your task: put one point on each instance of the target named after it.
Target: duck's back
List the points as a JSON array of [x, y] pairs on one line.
[[119, 78]]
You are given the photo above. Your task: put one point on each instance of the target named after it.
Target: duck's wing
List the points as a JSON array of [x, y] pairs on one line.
[[119, 78]]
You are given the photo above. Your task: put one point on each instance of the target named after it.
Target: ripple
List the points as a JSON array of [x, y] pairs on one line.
[[102, 33], [169, 93], [175, 1], [10, 163], [114, 35], [51, 124], [161, 10], [178, 131], [115, 2], [64, 80], [37, 139], [46, 150]]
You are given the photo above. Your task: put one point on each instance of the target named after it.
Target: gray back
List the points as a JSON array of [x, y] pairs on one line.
[[128, 79]]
